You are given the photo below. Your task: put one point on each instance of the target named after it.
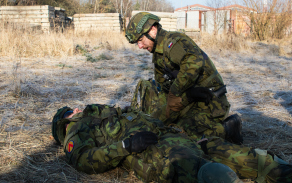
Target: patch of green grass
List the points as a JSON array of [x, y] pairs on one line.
[[98, 58], [80, 49], [64, 65], [90, 58], [105, 57]]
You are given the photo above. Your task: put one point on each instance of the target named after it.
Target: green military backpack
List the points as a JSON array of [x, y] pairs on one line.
[[146, 97]]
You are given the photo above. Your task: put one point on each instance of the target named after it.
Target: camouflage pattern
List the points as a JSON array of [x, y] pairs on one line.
[[181, 53], [93, 144], [146, 96], [139, 25], [241, 159], [196, 119], [245, 162], [176, 51]]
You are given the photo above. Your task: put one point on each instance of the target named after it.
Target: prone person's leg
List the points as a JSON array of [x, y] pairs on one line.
[[249, 163]]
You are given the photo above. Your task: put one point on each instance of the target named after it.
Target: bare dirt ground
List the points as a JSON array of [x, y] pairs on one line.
[[31, 90]]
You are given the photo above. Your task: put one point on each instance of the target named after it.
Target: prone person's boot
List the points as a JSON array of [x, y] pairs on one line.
[[233, 126], [272, 169], [282, 173]]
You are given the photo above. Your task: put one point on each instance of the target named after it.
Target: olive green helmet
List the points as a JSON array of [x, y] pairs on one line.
[[59, 115], [139, 25], [217, 172]]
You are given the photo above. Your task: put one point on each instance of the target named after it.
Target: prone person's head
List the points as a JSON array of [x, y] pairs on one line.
[[62, 113]]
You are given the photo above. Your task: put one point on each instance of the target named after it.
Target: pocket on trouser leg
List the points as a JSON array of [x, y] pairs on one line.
[[186, 163], [219, 108], [142, 170], [201, 124], [241, 159]]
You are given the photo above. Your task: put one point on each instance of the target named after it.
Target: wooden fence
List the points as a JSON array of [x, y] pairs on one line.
[[42, 17], [98, 21]]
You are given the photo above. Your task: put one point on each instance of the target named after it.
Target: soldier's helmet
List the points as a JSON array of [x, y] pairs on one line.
[[217, 172], [60, 114], [139, 25]]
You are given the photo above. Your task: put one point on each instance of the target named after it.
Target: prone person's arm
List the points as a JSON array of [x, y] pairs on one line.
[[88, 156], [101, 159]]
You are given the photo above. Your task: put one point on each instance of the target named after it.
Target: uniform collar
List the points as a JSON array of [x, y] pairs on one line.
[[160, 41]]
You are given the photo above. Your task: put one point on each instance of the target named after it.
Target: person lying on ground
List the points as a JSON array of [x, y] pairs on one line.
[[102, 137]]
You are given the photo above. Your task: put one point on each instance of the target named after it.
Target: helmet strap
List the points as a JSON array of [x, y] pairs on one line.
[[149, 37], [155, 41]]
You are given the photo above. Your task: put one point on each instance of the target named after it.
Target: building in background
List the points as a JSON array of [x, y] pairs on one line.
[[199, 18]]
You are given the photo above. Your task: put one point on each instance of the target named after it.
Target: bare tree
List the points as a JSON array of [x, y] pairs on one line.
[[218, 14], [270, 20], [153, 5], [122, 6]]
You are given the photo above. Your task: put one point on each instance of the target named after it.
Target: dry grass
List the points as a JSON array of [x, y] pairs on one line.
[[30, 43], [229, 42], [33, 87]]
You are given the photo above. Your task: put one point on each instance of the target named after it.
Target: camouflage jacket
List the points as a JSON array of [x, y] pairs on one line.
[[93, 141], [177, 51]]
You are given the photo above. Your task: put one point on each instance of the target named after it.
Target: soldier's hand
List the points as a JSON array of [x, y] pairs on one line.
[[166, 86], [173, 103], [140, 141], [199, 94]]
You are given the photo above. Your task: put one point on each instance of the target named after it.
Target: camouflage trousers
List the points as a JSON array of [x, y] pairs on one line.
[[249, 163], [175, 158], [196, 119]]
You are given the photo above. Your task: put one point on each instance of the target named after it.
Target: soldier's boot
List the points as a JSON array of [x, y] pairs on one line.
[[233, 126]]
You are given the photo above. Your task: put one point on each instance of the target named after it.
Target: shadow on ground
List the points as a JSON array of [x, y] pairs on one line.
[[264, 132], [286, 100], [50, 166]]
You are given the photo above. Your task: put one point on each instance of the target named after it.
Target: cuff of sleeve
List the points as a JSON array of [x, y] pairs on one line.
[[121, 149]]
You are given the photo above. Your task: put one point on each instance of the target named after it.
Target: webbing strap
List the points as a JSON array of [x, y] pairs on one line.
[[262, 172]]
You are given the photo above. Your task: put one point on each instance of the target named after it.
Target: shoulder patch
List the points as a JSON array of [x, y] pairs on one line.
[[173, 50], [70, 146]]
